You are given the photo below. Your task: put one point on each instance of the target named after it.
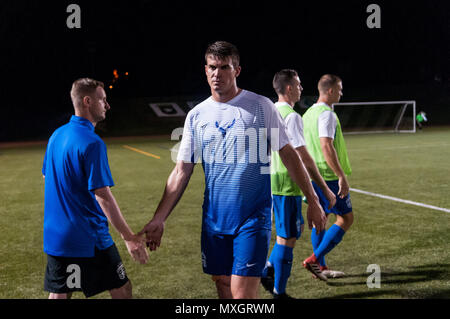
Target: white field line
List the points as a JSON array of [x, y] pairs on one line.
[[399, 147], [405, 201]]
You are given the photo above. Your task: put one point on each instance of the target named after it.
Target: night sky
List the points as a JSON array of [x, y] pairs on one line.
[[161, 44]]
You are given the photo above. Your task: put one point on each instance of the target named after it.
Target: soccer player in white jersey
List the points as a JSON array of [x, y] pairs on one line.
[[286, 195], [231, 133]]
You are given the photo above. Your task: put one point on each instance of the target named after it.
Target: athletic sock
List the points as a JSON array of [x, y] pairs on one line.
[[281, 259], [333, 236], [316, 239]]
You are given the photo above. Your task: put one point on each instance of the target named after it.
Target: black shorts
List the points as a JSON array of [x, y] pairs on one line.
[[91, 275]]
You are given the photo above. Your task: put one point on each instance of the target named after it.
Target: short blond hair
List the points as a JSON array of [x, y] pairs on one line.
[[327, 81], [83, 87]]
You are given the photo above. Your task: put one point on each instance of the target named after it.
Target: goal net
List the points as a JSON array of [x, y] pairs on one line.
[[377, 117]]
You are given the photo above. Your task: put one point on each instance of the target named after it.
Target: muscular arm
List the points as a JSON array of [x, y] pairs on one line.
[[175, 187], [331, 157], [112, 211], [297, 170], [299, 175], [311, 167], [313, 171], [108, 203]]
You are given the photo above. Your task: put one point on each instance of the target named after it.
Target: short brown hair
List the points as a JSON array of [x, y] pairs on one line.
[[282, 79], [222, 50], [83, 87], [327, 81]]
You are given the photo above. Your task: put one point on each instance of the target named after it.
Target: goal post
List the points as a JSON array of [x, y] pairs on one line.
[[377, 117]]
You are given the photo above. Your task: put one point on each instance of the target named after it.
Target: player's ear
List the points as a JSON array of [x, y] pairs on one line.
[[238, 70], [87, 100]]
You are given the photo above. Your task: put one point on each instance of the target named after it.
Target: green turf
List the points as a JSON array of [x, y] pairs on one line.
[[410, 244]]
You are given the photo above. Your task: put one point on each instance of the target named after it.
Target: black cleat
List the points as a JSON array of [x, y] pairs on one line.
[[282, 296], [268, 282]]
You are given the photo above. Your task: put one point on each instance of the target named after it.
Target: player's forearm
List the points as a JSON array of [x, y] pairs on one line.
[[311, 167], [329, 152], [175, 187], [297, 171], [112, 211]]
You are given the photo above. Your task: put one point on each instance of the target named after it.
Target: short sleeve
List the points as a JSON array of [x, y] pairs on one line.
[[294, 128], [327, 124], [96, 166], [44, 163], [276, 127], [188, 150]]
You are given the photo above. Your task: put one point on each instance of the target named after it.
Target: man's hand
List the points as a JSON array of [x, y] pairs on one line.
[[153, 232], [330, 197], [344, 187], [136, 248], [316, 216]]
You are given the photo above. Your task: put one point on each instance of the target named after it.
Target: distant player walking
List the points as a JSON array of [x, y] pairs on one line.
[[326, 144], [230, 131], [287, 196]]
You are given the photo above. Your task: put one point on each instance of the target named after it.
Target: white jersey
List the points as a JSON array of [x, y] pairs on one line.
[[233, 141], [294, 127]]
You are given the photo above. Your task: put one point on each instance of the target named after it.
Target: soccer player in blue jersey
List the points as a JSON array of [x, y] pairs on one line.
[[81, 254], [231, 133], [287, 196]]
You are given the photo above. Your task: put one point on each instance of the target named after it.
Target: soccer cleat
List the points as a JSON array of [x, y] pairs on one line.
[[268, 282], [282, 296], [331, 273], [313, 266]]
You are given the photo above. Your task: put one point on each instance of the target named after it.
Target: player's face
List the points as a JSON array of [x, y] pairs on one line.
[[336, 92], [221, 74], [296, 89], [99, 105]]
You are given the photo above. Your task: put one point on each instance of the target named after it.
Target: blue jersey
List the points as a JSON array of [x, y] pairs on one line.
[[233, 141], [75, 164]]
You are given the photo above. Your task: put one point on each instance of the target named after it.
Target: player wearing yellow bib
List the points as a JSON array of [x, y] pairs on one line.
[[326, 145], [287, 196]]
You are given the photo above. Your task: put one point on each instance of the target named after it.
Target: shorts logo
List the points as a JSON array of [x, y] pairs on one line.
[[348, 202], [121, 271], [203, 260]]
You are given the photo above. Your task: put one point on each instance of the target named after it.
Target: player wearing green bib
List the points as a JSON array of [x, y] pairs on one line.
[[287, 196], [325, 142]]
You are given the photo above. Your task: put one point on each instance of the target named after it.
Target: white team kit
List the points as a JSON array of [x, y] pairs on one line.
[[233, 139]]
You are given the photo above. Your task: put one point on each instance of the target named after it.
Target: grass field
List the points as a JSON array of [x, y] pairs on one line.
[[410, 244]]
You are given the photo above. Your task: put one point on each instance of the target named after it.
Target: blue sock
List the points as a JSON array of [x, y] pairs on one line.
[[333, 236], [281, 259], [316, 239]]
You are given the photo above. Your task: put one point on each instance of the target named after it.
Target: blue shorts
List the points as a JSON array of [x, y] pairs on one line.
[[242, 254], [343, 205], [288, 215]]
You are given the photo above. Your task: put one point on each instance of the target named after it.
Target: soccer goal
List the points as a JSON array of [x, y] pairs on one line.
[[377, 117]]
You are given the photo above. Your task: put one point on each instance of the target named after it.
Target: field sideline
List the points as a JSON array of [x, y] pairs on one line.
[[410, 244]]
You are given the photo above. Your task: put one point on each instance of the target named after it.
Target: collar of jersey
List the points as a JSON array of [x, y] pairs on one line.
[[322, 103], [277, 104], [82, 121]]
